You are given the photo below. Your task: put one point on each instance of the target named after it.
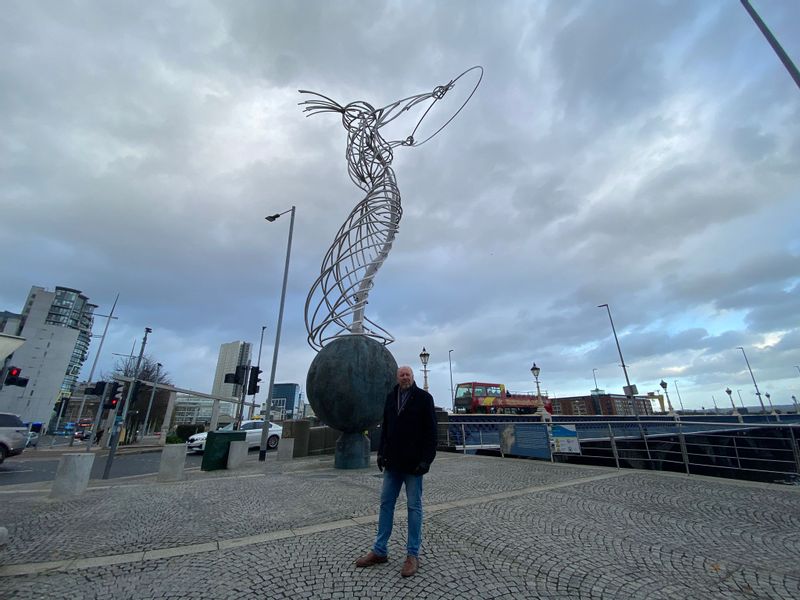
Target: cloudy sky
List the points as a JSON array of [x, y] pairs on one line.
[[644, 154]]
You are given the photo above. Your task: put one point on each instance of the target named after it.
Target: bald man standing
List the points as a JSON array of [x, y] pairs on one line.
[[407, 449]]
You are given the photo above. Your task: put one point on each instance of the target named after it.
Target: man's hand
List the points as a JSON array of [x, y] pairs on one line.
[[422, 468], [381, 463]]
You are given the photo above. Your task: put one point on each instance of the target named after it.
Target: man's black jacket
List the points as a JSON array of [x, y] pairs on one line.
[[408, 438]]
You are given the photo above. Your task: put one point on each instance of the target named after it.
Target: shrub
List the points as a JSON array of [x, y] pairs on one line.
[[174, 439]]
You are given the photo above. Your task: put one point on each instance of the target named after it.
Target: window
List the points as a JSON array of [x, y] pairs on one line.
[[480, 390], [7, 420]]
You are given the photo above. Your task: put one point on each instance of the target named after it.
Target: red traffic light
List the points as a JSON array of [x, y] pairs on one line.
[[14, 371]]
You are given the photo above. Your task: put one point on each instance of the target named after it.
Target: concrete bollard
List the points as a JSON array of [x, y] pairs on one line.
[[286, 449], [72, 476], [237, 454], [173, 461]]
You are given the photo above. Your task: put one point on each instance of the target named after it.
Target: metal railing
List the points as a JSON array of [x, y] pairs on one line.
[[763, 450]]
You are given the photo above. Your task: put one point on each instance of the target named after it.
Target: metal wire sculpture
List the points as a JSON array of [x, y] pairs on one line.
[[340, 293]]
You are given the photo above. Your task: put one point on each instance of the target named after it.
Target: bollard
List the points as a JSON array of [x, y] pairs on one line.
[[286, 449], [237, 454], [3, 536], [173, 461], [72, 476]]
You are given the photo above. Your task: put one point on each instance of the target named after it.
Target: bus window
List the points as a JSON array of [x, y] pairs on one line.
[[464, 391], [480, 391], [493, 390]]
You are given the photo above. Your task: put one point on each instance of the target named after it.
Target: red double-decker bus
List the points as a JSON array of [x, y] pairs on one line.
[[475, 397]]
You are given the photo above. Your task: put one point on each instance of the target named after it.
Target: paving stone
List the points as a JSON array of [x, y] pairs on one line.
[[630, 535]]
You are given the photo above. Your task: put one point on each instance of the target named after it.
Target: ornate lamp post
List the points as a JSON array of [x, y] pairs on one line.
[[424, 356], [663, 385], [535, 372]]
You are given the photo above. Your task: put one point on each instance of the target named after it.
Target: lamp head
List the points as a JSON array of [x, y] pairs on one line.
[[728, 391], [535, 370], [272, 218], [424, 356], [148, 330], [663, 385]]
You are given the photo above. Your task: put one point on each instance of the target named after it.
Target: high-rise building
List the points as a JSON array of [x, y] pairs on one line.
[[57, 327], [231, 355]]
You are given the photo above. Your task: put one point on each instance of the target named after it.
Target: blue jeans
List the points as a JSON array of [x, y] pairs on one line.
[[392, 481]]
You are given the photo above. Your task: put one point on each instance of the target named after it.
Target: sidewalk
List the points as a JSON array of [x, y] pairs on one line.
[[494, 528]]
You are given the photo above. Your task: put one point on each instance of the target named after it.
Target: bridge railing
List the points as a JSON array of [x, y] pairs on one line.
[[766, 450]]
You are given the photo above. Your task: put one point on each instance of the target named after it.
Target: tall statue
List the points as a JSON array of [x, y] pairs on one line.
[[336, 303], [353, 369]]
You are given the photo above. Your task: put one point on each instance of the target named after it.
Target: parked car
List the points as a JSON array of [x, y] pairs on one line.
[[33, 439], [252, 429], [13, 435], [83, 434]]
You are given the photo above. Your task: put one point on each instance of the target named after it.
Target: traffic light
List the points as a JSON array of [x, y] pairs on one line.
[[13, 377], [238, 377], [97, 390], [252, 384], [114, 395]]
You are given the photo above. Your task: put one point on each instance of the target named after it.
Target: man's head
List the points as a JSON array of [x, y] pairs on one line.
[[405, 377]]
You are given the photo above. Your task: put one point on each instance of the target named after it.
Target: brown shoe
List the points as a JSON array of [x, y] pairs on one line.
[[410, 566], [370, 559]]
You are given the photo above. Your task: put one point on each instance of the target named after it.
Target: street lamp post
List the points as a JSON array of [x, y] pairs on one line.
[[152, 396], [128, 400], [663, 385], [108, 318], [594, 375], [680, 400], [739, 392], [452, 391], [262, 452], [758, 394], [796, 407], [630, 391], [423, 357], [735, 412], [771, 407], [540, 405], [258, 367], [714, 400]]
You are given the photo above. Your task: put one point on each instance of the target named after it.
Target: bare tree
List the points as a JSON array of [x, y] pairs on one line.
[[148, 371]]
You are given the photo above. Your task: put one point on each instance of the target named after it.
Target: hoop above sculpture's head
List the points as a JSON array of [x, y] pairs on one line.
[[435, 99]]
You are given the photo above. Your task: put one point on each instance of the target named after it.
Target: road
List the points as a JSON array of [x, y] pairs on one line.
[[24, 469]]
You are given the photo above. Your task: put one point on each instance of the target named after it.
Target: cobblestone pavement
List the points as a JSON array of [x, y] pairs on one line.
[[494, 528]]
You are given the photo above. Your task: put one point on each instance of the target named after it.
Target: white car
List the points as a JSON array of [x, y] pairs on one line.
[[252, 429]]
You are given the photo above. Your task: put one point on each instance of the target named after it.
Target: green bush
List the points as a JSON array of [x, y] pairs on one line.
[[186, 431], [174, 439]]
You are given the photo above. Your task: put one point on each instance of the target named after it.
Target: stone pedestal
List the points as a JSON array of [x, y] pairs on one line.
[[237, 454], [352, 451], [173, 460], [72, 477]]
